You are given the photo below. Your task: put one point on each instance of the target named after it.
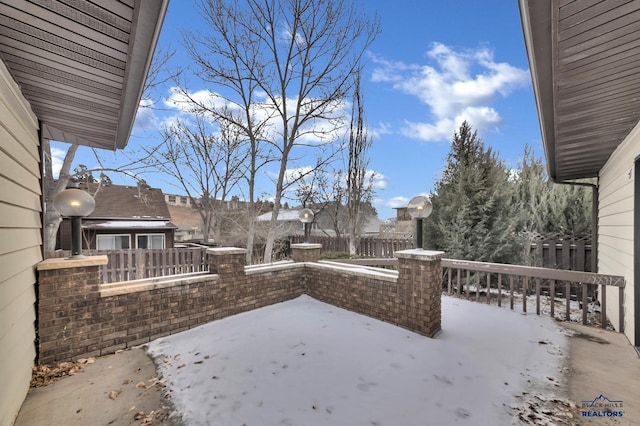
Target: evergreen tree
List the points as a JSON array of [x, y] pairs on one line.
[[471, 204], [83, 174], [546, 208]]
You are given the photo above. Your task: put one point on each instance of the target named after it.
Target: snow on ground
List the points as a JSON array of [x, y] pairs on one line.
[[304, 362]]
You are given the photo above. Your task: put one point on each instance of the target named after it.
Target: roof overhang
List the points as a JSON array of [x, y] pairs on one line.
[[128, 224], [81, 65], [584, 59]]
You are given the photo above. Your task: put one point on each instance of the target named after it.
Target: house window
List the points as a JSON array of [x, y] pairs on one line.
[[150, 241], [184, 200], [172, 199], [113, 241]]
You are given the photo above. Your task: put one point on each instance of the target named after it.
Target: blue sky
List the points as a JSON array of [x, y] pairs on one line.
[[435, 64]]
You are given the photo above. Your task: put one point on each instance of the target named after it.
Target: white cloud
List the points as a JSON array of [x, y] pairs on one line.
[[378, 180], [57, 158], [146, 117], [265, 110], [455, 86], [394, 202], [382, 128]]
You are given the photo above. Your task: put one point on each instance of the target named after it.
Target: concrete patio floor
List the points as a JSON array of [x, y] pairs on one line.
[[601, 363], [604, 363]]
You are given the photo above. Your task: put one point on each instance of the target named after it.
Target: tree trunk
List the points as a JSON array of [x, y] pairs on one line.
[[273, 223], [352, 245], [52, 218], [271, 237], [251, 231]]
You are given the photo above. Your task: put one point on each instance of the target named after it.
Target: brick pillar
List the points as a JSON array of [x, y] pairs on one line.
[[235, 293], [227, 261], [305, 252], [68, 308], [420, 290]]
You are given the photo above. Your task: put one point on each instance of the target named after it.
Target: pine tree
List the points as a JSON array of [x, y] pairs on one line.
[[546, 208], [471, 204]]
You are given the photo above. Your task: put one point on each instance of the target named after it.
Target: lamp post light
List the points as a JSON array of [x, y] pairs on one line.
[[419, 208], [306, 217], [74, 204]]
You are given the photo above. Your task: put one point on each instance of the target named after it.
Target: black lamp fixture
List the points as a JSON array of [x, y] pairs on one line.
[[306, 217], [419, 208], [74, 204]]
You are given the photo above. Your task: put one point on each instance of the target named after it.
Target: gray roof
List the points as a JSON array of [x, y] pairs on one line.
[[584, 58], [284, 215], [81, 64], [128, 202]]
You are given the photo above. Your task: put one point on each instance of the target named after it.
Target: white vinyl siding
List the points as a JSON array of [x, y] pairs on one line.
[[20, 243], [615, 226]]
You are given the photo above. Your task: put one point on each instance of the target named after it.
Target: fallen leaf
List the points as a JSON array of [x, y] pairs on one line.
[[141, 385], [114, 394]]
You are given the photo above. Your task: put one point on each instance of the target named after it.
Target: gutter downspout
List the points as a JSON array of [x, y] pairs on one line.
[[594, 218]]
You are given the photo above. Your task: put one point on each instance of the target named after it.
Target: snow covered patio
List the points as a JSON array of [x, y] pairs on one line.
[[304, 362]]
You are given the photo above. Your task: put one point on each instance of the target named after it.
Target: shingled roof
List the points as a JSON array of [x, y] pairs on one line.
[[128, 202]]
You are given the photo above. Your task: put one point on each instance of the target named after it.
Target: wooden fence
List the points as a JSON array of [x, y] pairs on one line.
[[565, 254], [557, 254], [125, 265], [366, 247]]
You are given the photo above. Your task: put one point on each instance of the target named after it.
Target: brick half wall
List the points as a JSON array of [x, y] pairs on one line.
[[409, 298], [80, 317]]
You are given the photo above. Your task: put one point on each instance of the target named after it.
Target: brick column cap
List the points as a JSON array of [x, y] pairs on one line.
[[306, 246], [219, 251], [61, 263], [419, 254]]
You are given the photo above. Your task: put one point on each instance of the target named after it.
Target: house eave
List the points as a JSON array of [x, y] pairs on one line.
[[82, 66], [583, 58]]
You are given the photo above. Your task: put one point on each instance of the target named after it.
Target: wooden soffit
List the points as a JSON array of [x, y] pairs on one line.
[[81, 64], [584, 57]]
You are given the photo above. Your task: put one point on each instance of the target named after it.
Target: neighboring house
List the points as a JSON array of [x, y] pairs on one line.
[[177, 200], [405, 224], [400, 227], [371, 227], [231, 213], [125, 217], [584, 59], [68, 73], [289, 223], [188, 222]]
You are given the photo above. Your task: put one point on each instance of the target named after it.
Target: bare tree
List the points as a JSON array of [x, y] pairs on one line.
[[283, 68], [206, 161], [359, 181], [52, 187], [324, 193]]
